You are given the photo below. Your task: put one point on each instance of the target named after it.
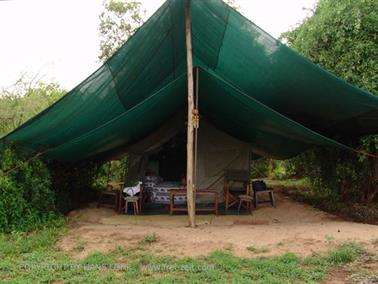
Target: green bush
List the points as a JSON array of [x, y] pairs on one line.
[[260, 168], [73, 184], [274, 169], [339, 37], [77, 184], [114, 170], [26, 198], [341, 175]]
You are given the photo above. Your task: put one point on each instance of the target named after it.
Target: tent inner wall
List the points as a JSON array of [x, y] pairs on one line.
[[217, 152]]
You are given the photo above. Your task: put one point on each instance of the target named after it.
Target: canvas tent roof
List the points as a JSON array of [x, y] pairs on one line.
[[250, 86]]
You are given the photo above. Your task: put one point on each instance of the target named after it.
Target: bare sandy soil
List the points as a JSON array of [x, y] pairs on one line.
[[291, 226]]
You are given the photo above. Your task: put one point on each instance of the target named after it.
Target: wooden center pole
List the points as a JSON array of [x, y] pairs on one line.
[[190, 131]]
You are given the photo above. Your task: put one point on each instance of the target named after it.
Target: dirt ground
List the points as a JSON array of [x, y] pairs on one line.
[[291, 226]]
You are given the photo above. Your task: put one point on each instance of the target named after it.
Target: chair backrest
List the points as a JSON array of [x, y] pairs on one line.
[[115, 185], [237, 175], [259, 185]]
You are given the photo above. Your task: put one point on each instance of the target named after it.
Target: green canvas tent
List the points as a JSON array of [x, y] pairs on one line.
[[251, 87]]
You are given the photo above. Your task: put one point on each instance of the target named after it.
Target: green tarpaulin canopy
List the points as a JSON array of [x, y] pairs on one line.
[[250, 86]]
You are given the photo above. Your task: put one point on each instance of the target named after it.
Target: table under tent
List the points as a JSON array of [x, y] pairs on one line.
[[254, 94]]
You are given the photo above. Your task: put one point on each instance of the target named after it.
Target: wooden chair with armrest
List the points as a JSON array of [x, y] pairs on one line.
[[111, 191], [236, 182]]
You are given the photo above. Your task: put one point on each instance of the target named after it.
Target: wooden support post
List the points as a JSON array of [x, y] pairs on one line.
[[190, 132]]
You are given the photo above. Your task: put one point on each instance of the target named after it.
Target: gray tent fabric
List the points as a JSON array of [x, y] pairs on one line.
[[218, 152]]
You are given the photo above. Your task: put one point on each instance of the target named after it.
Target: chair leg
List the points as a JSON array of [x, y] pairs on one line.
[[137, 207], [121, 207], [272, 199], [226, 201], [126, 206], [99, 200], [240, 203]]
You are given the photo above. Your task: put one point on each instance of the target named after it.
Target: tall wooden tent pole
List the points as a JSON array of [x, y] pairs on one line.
[[190, 132]]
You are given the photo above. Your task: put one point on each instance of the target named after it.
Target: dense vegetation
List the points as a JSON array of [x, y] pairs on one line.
[[33, 190], [24, 99], [341, 36], [27, 200]]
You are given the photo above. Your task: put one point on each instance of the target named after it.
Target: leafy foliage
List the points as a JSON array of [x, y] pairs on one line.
[[26, 198], [260, 168], [111, 171], [25, 99], [341, 37], [41, 180], [76, 184], [73, 183], [119, 20]]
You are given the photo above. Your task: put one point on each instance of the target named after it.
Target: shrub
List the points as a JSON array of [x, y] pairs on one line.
[[338, 37], [26, 198], [72, 184]]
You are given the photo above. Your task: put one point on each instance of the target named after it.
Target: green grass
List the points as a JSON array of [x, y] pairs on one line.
[[288, 182], [34, 258], [149, 239], [255, 249], [345, 253]]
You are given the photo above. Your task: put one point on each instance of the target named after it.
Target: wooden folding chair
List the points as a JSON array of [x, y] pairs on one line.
[[236, 182], [111, 192]]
